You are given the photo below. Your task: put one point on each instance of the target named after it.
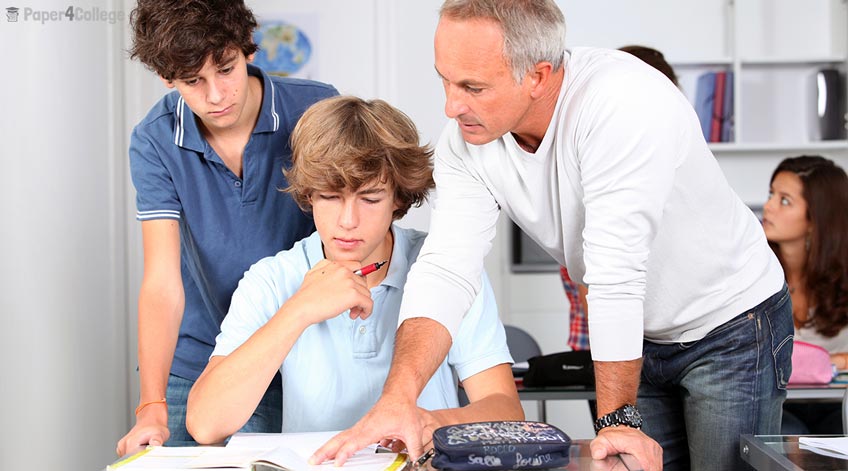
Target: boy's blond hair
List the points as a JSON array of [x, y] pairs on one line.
[[346, 142]]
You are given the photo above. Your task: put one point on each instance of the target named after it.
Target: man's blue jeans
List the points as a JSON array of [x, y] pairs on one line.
[[697, 398], [267, 418]]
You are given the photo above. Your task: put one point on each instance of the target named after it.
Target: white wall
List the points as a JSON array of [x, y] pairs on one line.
[[63, 338]]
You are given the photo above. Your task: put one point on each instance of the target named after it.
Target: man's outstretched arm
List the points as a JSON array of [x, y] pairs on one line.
[[420, 347]]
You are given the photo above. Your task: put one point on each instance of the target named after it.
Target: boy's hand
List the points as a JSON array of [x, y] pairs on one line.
[[330, 288], [151, 428]]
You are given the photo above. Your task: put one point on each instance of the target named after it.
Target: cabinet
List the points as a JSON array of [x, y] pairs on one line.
[[774, 49]]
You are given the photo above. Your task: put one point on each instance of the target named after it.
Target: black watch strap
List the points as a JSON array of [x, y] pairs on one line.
[[627, 415]]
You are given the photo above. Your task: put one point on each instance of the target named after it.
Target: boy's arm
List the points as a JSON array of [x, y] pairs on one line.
[[492, 396], [227, 392], [230, 388], [160, 310]]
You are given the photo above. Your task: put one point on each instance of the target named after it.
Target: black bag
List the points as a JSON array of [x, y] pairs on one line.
[[561, 369], [483, 446]]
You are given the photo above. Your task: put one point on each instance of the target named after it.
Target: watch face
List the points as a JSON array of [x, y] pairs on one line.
[[631, 416]]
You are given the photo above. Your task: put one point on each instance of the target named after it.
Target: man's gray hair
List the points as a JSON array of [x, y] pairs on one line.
[[533, 30]]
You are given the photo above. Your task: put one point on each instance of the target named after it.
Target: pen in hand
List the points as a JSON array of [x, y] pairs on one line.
[[370, 268]]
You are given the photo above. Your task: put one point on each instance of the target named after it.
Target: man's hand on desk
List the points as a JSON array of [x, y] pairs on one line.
[[623, 439], [391, 419], [151, 428], [614, 463], [430, 421]]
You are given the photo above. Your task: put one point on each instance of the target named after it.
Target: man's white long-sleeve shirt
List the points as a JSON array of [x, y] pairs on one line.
[[624, 191]]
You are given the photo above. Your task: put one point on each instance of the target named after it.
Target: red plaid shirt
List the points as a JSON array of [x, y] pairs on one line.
[[578, 335]]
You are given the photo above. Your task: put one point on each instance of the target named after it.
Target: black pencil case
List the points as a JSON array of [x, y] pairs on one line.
[[500, 445]]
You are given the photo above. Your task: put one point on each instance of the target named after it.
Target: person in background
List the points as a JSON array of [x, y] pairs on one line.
[[578, 318], [806, 224], [206, 163], [358, 167], [654, 58], [578, 336], [600, 160]]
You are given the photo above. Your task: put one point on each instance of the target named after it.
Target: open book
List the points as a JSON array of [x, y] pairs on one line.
[[259, 452]]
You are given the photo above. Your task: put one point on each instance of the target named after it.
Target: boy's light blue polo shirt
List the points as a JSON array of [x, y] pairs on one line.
[[226, 223], [335, 372]]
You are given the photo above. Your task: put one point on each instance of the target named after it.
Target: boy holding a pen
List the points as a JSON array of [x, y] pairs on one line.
[[358, 167]]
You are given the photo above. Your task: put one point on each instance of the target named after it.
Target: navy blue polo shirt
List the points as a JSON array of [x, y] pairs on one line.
[[226, 223]]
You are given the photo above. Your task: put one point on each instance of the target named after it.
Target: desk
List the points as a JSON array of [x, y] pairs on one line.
[[580, 459], [830, 392], [781, 452]]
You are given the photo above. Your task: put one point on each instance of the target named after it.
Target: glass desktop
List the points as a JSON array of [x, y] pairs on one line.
[[782, 452]]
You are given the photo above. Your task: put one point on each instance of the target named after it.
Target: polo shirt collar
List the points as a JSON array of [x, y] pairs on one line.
[[187, 133], [269, 119], [398, 268]]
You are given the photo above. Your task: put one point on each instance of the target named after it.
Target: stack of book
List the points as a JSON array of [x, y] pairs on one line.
[[714, 105]]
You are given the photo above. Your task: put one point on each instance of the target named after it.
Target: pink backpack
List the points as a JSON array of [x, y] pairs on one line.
[[810, 364]]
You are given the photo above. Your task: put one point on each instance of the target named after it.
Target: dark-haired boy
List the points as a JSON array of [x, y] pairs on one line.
[[206, 164]]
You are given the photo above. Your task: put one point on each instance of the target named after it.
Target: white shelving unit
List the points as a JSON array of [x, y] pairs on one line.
[[775, 48]]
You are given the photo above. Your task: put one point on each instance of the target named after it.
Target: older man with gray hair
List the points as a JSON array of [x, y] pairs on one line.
[[600, 159]]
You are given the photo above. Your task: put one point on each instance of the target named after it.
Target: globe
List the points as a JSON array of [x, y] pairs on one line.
[[283, 48]]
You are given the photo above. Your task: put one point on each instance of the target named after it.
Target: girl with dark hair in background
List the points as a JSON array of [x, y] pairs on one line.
[[806, 224]]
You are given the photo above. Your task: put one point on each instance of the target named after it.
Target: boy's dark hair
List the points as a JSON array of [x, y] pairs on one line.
[[174, 37]]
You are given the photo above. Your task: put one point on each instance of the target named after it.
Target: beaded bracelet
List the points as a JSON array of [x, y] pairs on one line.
[[145, 404]]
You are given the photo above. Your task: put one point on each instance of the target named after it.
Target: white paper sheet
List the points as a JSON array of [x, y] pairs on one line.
[[836, 447]]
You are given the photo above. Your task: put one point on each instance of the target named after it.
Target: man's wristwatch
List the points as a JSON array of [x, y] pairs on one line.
[[627, 415]]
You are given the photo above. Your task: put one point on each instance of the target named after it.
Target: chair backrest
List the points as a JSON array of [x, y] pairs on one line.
[[521, 345]]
